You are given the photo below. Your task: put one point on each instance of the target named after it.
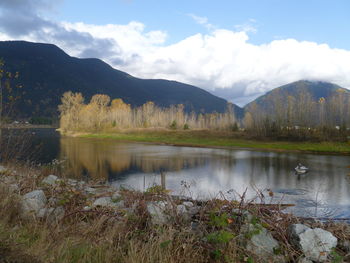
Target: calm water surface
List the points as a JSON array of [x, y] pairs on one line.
[[203, 172]]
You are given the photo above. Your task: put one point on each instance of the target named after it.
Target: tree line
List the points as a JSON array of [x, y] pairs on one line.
[[300, 116], [102, 113]]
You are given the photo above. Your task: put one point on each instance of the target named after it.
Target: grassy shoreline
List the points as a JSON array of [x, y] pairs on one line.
[[219, 140]]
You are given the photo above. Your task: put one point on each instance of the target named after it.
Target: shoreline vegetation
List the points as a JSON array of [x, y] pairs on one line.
[[216, 139], [45, 218], [114, 119]]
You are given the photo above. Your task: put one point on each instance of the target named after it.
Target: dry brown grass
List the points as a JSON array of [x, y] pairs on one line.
[[104, 235]]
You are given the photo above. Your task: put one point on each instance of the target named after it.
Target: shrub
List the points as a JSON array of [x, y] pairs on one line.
[[173, 125]]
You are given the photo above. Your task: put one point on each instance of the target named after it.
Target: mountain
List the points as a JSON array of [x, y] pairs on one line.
[[299, 90], [46, 72]]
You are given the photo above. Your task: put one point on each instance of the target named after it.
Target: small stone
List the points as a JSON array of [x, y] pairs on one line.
[[107, 202], [188, 204], [316, 244], [32, 202], [72, 182], [157, 212], [51, 180], [296, 229], [87, 208], [103, 201], [259, 241]]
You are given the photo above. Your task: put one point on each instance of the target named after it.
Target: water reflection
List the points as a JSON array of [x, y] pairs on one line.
[[110, 160], [204, 172]]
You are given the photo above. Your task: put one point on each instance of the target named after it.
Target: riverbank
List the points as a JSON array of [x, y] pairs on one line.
[[202, 138], [27, 126], [44, 218]]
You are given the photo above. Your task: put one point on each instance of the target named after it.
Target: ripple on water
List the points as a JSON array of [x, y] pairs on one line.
[[292, 191]]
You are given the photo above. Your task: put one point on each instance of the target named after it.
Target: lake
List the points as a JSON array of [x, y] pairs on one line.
[[205, 172]]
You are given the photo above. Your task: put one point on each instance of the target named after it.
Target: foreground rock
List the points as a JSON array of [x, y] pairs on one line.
[[316, 244], [259, 241], [51, 180], [157, 211], [32, 202]]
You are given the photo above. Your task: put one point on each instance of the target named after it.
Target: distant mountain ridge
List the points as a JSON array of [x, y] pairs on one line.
[[46, 72], [316, 89]]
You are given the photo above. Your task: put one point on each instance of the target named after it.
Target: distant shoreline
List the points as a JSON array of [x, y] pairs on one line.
[[26, 126], [222, 140]]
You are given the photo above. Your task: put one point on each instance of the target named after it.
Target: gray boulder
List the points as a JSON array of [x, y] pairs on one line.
[[259, 241], [157, 211], [51, 180], [316, 244], [32, 202]]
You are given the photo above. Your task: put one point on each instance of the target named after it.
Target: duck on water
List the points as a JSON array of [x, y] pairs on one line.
[[301, 169]]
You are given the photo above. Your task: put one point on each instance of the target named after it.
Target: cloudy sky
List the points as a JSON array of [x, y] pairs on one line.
[[237, 49]]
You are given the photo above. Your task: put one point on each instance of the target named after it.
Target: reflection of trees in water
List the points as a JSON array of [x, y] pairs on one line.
[[107, 159], [102, 159], [93, 158]]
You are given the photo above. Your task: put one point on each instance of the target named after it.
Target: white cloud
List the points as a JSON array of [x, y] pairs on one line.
[[225, 59], [246, 28], [222, 61], [202, 20]]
